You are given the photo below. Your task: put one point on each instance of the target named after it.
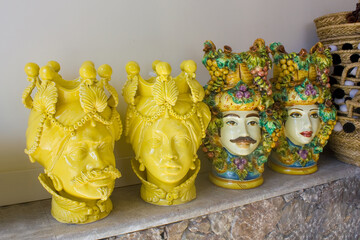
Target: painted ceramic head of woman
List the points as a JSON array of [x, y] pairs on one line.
[[165, 124], [243, 125], [301, 87]]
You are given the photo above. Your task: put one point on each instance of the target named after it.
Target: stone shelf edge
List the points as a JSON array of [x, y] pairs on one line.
[[34, 221]]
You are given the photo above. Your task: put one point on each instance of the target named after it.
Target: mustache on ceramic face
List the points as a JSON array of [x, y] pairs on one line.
[[86, 176], [246, 139]]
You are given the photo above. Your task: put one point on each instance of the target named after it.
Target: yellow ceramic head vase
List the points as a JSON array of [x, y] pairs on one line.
[[165, 123], [71, 132]]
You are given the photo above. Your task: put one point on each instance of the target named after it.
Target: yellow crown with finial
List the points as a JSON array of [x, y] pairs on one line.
[[178, 97], [82, 100]]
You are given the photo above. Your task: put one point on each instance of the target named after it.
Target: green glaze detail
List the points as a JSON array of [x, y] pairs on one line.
[[327, 113], [303, 63], [301, 90]]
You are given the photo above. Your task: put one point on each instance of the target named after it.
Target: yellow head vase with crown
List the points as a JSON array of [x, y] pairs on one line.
[[71, 132], [165, 123], [302, 89]]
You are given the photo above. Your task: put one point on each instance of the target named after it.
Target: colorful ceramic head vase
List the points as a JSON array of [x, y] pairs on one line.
[[243, 127], [165, 123], [71, 132], [302, 88]]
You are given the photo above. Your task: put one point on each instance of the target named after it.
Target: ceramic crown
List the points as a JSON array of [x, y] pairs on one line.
[[301, 78], [238, 80], [85, 94]]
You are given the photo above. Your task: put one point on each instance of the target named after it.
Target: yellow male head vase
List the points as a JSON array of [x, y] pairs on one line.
[[71, 132], [165, 124]]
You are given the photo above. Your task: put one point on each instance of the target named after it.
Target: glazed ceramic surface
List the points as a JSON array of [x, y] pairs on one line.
[[244, 126], [302, 123], [302, 89], [165, 124], [71, 132], [241, 133]]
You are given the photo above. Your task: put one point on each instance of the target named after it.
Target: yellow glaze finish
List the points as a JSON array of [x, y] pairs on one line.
[[235, 184], [292, 170], [71, 132], [165, 123]]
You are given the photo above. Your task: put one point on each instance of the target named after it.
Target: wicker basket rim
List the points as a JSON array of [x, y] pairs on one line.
[[330, 15], [338, 26], [346, 51], [348, 119], [343, 38], [345, 86]]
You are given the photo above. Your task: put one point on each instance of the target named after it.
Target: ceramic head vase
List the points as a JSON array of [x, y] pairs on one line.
[[301, 87], [244, 126], [71, 132], [165, 123]]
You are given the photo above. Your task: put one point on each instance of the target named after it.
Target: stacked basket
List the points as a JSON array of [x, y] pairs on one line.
[[344, 40]]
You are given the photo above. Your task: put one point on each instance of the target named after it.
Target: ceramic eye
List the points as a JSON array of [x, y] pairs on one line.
[[182, 139], [314, 115], [296, 115], [156, 142], [231, 123], [78, 154], [252, 123], [104, 147]]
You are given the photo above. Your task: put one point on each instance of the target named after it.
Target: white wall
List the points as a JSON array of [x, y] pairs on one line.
[[115, 32]]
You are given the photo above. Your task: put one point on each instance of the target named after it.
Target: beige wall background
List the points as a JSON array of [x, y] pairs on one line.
[[115, 32]]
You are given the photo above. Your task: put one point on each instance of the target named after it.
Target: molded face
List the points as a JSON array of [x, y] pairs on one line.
[[302, 124], [167, 151], [86, 167], [240, 133]]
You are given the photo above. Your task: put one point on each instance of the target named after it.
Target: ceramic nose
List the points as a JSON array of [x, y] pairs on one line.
[[243, 131], [168, 151], [94, 161], [307, 123]]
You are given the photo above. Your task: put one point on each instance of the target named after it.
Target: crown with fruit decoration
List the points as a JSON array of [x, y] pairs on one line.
[[301, 78], [178, 97], [85, 93], [237, 79]]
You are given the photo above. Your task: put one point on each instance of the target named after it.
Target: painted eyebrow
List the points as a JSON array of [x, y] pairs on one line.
[[231, 115], [296, 109], [252, 115], [314, 109]]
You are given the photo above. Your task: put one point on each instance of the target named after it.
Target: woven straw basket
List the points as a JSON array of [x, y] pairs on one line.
[[333, 29], [341, 30], [331, 19], [346, 146]]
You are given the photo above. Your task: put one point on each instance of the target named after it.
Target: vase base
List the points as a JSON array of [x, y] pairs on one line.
[[235, 184], [292, 170]]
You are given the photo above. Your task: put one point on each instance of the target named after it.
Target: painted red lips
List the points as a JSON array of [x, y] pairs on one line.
[[307, 133]]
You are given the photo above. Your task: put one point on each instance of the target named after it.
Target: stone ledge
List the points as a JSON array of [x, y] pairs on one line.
[[33, 220]]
